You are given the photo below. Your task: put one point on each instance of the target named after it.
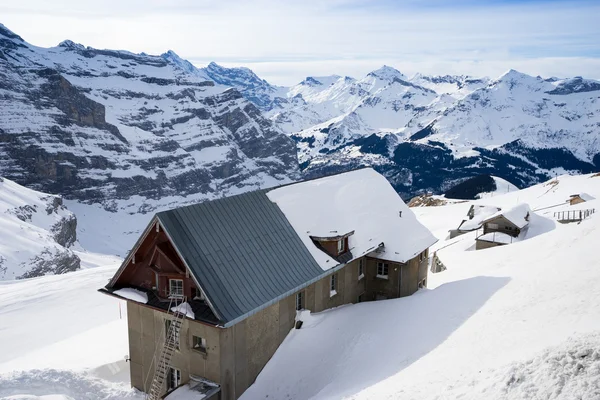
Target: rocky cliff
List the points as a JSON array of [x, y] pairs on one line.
[[101, 126], [37, 233]]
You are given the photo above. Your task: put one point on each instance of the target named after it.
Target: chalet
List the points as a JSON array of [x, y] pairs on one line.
[[579, 198], [504, 227], [212, 289], [475, 217]]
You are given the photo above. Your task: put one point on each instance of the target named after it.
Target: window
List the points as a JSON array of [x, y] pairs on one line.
[[333, 285], [174, 378], [492, 226], [382, 270], [341, 246], [196, 294], [168, 323], [175, 287], [361, 268], [199, 344], [299, 301]]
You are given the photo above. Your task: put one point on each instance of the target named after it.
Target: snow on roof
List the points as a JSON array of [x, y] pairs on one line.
[[518, 215], [480, 214], [584, 196], [362, 201], [132, 294], [185, 393], [184, 308]]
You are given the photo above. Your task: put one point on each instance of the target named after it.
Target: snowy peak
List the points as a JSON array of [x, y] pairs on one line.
[[69, 44], [184, 65], [513, 78], [235, 77], [387, 73], [315, 81]]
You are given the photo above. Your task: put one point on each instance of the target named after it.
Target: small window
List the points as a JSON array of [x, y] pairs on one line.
[[361, 268], [199, 344], [197, 294], [333, 285], [341, 244], [174, 378], [175, 287], [168, 323], [492, 226], [299, 301], [382, 270]]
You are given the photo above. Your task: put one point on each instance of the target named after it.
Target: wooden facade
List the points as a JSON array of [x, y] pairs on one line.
[[153, 264]]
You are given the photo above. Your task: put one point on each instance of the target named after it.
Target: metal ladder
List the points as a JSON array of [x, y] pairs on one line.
[[166, 352]]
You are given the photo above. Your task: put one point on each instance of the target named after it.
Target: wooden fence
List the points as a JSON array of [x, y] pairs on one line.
[[573, 215]]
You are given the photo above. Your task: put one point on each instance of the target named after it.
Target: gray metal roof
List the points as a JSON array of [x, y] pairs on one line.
[[242, 251]]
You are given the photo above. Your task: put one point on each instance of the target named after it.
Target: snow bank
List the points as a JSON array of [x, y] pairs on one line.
[[184, 308], [133, 294], [362, 201], [62, 385], [61, 322]]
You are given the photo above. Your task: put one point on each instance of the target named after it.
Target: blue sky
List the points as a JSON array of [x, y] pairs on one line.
[[284, 41]]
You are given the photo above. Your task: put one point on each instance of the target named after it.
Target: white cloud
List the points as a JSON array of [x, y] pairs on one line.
[[285, 41]]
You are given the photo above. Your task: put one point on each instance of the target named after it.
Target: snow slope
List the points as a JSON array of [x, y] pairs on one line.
[[61, 337], [520, 321], [502, 186]]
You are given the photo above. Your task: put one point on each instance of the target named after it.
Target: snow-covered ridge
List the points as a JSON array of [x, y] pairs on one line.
[[37, 233], [527, 127]]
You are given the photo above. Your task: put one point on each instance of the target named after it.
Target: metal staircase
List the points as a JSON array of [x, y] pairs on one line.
[[165, 351]]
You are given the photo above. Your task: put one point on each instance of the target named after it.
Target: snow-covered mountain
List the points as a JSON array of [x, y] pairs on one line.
[[136, 133], [37, 233], [101, 126], [426, 133]]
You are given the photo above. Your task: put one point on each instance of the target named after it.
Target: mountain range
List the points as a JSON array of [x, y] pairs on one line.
[[135, 133]]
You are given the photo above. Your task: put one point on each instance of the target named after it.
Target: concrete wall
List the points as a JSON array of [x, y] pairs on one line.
[[375, 286], [146, 329], [250, 344]]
